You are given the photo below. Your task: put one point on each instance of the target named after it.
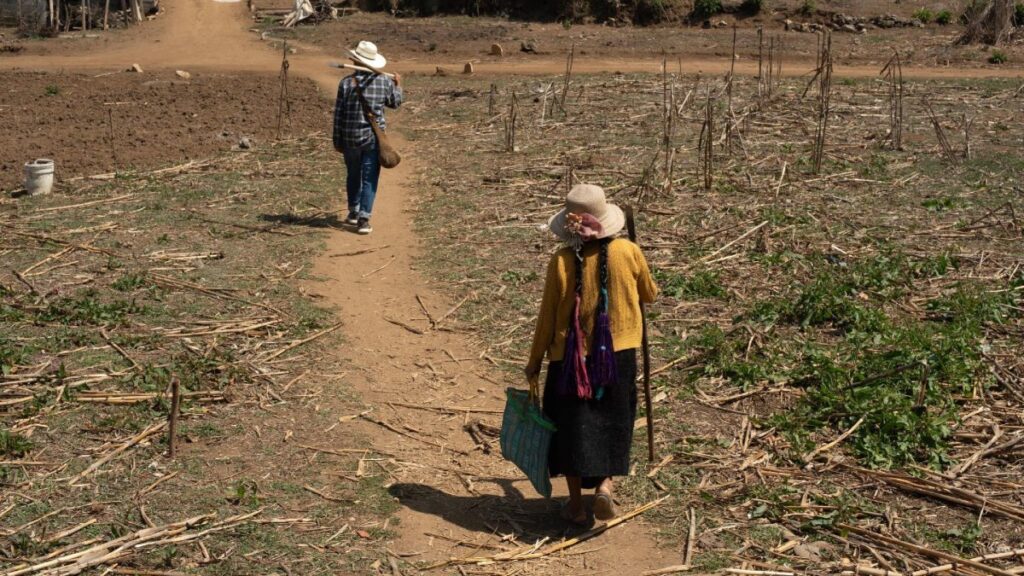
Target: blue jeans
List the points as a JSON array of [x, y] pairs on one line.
[[363, 173]]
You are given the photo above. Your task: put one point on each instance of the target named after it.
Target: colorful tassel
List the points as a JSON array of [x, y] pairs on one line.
[[575, 379], [587, 376], [601, 361]]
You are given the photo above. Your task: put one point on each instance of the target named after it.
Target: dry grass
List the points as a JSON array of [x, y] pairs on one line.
[[115, 287], [794, 303]]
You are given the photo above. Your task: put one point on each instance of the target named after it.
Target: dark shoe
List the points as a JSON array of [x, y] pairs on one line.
[[363, 226], [604, 507], [576, 517], [352, 218]]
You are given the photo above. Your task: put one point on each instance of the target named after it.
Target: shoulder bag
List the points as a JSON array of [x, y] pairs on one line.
[[389, 157]]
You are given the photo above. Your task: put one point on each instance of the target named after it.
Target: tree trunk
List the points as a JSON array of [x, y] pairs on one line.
[[990, 24]]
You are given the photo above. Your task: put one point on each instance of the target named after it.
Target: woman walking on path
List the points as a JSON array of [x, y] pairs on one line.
[[353, 135], [589, 327]]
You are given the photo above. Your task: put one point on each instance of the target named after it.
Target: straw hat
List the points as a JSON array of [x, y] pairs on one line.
[[588, 199], [367, 55]]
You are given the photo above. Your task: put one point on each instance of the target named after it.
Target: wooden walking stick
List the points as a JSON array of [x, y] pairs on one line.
[[645, 344]]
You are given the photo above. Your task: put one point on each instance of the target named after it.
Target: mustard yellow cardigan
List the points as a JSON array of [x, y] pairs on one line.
[[629, 284]]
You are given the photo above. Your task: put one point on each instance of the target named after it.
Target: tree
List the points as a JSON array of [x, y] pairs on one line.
[[988, 22]]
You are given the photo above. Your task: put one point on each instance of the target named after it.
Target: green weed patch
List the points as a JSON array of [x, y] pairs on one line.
[[900, 374], [13, 445]]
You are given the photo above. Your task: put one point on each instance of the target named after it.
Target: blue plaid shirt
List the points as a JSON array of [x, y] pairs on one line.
[[351, 130]]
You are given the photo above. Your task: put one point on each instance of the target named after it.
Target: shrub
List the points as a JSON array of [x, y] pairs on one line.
[[129, 282], [881, 376], [699, 284], [52, 90], [944, 18], [972, 11], [808, 8], [706, 8], [11, 355], [924, 15], [752, 6], [87, 308], [997, 57], [13, 445], [1018, 14]]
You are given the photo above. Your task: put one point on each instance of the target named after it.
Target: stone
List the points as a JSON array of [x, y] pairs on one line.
[[529, 46], [182, 74], [244, 143], [441, 72], [497, 50], [814, 551], [788, 24], [135, 68], [468, 68]]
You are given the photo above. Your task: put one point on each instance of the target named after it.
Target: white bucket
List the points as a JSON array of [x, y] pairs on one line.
[[39, 176]]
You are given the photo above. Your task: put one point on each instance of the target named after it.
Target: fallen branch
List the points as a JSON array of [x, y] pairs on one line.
[[822, 449], [401, 324], [667, 570], [950, 567], [119, 548], [359, 252], [923, 551], [134, 440], [309, 488], [730, 244], [136, 397], [446, 409], [375, 270], [948, 493], [451, 310], [294, 345], [962, 467], [408, 435]]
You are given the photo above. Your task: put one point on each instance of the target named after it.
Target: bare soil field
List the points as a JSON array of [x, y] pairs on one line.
[[129, 121], [113, 289]]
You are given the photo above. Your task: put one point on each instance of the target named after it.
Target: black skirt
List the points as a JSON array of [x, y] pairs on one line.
[[594, 436]]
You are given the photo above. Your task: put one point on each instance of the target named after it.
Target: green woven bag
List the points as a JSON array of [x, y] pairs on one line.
[[526, 437]]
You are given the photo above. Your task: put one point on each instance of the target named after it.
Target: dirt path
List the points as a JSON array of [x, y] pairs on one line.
[[451, 494], [447, 496]]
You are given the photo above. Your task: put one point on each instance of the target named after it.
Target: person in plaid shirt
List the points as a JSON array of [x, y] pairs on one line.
[[353, 136]]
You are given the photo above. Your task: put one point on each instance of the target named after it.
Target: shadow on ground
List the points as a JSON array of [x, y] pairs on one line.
[[320, 220], [509, 512]]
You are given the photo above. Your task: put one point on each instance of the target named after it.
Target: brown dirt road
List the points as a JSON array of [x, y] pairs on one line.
[[215, 37]]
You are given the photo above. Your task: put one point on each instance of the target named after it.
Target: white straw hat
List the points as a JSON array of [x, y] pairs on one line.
[[367, 55], [588, 199]]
